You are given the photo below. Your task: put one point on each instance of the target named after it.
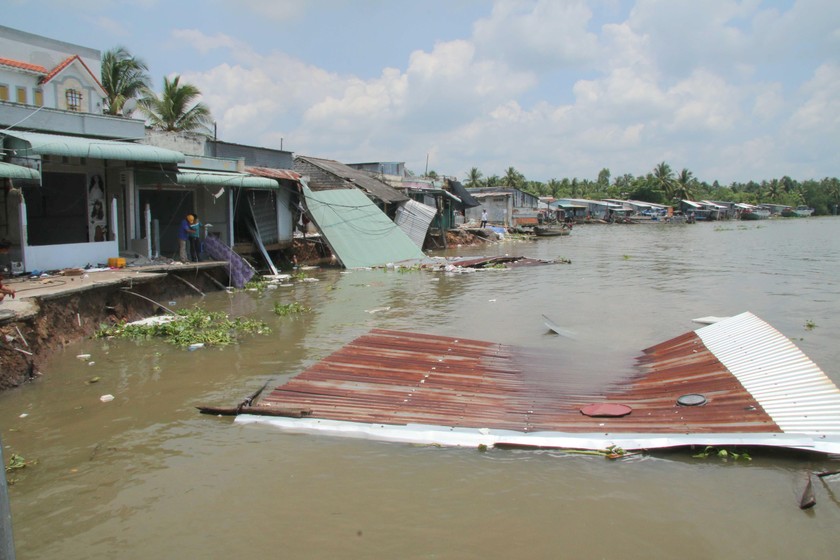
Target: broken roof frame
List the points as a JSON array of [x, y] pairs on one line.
[[762, 391]]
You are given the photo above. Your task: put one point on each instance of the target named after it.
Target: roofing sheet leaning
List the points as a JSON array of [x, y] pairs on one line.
[[755, 386], [357, 231]]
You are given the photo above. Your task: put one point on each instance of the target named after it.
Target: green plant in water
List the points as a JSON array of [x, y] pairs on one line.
[[626, 257], [810, 325], [258, 283], [190, 326], [299, 275], [284, 309], [724, 454]]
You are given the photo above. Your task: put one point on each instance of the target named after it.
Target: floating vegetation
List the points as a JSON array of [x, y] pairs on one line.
[[191, 326], [258, 283], [413, 268], [626, 257], [810, 325], [284, 309], [299, 275], [724, 454], [16, 462]]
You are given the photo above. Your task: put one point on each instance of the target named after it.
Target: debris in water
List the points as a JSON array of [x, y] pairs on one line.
[[106, 398]]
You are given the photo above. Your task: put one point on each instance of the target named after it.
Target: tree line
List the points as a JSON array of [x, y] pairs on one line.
[[664, 186]]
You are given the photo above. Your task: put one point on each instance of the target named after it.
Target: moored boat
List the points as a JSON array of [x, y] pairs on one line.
[[552, 230], [755, 213]]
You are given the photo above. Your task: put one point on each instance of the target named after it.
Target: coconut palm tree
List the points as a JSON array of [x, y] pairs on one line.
[[474, 178], [124, 77], [684, 185], [176, 110], [664, 179], [513, 178]]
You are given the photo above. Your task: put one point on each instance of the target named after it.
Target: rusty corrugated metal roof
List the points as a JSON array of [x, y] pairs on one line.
[[417, 387], [272, 173], [356, 177]]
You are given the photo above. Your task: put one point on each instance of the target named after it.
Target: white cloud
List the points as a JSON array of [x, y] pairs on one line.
[[536, 35], [687, 84]]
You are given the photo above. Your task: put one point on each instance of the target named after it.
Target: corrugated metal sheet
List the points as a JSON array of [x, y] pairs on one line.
[[358, 232], [216, 178], [424, 388], [74, 146], [791, 388], [356, 177], [272, 173], [10, 171], [414, 219], [263, 205]]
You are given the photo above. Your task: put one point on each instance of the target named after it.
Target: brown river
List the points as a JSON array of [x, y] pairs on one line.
[[147, 477]]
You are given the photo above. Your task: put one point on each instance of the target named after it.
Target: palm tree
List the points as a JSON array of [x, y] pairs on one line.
[[664, 179], [124, 77], [684, 185], [492, 181], [513, 178], [176, 110], [474, 178], [774, 190]]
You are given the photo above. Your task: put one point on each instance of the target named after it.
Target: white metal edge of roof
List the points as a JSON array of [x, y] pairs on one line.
[[421, 434], [792, 389]]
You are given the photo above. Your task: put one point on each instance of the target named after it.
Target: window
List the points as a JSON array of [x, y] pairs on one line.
[[21, 95], [39, 97], [74, 99], [4, 93]]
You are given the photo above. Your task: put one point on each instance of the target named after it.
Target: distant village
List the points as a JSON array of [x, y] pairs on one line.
[[86, 181]]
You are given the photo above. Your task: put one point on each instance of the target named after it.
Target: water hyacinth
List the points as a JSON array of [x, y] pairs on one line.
[[190, 326]]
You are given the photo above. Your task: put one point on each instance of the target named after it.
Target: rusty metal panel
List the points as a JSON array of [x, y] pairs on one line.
[[450, 388]]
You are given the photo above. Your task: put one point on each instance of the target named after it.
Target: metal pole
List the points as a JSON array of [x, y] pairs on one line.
[[7, 541]]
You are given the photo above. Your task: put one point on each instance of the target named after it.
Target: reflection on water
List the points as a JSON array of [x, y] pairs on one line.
[[145, 476]]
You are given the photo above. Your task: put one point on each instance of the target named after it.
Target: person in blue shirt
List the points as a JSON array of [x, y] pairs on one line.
[[184, 235], [195, 238]]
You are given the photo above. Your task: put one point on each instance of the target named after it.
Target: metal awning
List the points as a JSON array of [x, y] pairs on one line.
[[221, 179], [356, 230], [10, 171], [36, 143]]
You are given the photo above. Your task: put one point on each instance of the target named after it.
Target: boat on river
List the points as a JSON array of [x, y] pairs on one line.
[[801, 211], [552, 230], [755, 213]]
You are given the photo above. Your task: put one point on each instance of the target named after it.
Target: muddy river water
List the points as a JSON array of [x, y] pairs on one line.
[[146, 476]]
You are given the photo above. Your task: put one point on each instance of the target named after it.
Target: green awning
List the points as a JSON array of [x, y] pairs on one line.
[[9, 171], [221, 179], [35, 143]]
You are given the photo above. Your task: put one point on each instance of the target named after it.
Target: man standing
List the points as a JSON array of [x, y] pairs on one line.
[[183, 235], [484, 218]]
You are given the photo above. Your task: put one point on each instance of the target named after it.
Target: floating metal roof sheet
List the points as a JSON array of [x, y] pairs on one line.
[[413, 387], [356, 230]]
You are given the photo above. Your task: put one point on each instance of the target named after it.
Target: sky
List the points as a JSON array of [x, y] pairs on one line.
[[730, 90]]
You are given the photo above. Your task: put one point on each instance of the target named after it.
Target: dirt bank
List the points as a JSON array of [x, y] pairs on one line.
[[67, 317]]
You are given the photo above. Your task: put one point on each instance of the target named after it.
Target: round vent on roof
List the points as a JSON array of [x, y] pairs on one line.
[[693, 399]]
